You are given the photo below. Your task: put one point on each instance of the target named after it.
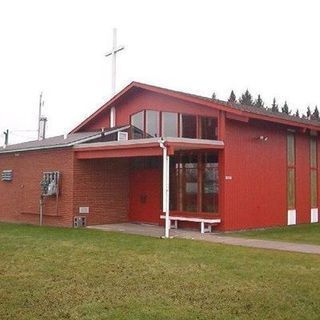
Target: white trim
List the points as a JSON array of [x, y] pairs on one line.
[[314, 215], [153, 140], [112, 117], [292, 217]]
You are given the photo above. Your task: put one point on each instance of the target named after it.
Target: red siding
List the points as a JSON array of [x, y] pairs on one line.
[[256, 194], [256, 197], [20, 198]]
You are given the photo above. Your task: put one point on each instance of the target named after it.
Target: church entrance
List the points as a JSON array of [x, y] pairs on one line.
[[145, 190]]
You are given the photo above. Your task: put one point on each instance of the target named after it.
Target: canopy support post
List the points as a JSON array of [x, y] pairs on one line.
[[165, 187]]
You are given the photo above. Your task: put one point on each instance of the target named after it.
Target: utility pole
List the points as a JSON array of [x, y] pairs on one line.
[[42, 121], [6, 137], [41, 103], [112, 53]]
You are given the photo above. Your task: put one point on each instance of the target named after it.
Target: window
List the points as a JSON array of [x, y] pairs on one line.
[[208, 128], [152, 124], [169, 124], [291, 171], [194, 183], [146, 124], [137, 123], [188, 126], [210, 186], [313, 172]]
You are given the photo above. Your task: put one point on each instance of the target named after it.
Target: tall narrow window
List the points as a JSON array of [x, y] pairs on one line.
[[169, 124], [137, 123], [208, 128], [188, 126], [210, 183], [152, 124], [313, 172], [291, 171]]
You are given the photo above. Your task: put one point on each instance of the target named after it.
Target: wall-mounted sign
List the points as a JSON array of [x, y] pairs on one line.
[[83, 210]]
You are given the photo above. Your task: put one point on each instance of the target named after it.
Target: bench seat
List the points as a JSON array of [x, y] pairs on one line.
[[206, 223]]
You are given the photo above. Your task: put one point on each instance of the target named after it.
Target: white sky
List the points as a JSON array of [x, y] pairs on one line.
[[270, 47]]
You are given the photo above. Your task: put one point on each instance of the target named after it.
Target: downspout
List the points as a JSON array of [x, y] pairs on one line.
[[165, 186]]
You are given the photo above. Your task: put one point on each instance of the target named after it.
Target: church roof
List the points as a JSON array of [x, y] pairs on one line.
[[58, 141], [231, 108]]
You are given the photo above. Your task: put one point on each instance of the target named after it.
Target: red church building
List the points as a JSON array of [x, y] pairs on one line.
[[153, 155]]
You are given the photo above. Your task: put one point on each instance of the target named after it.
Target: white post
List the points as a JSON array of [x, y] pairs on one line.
[[165, 187], [168, 223]]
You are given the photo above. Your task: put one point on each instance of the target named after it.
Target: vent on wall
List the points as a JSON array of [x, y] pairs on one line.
[[122, 136], [6, 175], [79, 221]]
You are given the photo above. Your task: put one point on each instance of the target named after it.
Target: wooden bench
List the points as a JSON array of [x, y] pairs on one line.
[[206, 223]]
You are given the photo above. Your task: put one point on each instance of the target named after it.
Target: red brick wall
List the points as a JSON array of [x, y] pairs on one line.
[[103, 186], [19, 198]]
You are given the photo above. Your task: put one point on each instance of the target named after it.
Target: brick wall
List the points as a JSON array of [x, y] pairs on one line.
[[19, 199], [103, 186]]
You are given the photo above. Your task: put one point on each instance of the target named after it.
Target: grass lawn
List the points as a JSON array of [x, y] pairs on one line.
[[305, 233], [52, 273]]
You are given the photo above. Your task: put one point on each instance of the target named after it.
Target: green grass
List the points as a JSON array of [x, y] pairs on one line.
[[52, 273], [305, 233]]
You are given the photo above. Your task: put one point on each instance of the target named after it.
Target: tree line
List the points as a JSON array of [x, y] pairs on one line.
[[247, 99]]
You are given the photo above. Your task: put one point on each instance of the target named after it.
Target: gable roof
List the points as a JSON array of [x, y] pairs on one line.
[[232, 108], [59, 141]]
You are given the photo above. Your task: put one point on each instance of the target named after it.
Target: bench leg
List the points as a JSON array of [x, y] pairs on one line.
[[204, 229], [173, 224]]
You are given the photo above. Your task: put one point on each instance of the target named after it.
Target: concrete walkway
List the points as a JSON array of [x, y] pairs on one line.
[[156, 231]]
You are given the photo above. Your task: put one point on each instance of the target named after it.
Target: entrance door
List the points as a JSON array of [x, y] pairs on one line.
[[145, 195]]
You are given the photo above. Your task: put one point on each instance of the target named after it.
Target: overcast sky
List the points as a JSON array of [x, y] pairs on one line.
[[58, 47]]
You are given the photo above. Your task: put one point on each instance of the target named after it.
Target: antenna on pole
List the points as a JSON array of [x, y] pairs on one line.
[[42, 121]]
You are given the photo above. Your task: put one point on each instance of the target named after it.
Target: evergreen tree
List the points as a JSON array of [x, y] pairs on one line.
[[315, 114], [232, 98], [297, 114], [259, 102], [308, 114], [214, 96], [274, 106], [285, 108], [246, 98]]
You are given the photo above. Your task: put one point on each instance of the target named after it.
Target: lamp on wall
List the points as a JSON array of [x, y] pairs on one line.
[[263, 138]]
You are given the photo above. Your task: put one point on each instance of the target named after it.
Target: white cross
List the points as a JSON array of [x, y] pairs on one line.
[[113, 52]]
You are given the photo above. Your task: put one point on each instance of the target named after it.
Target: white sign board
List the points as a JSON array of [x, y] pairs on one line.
[[83, 210]]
